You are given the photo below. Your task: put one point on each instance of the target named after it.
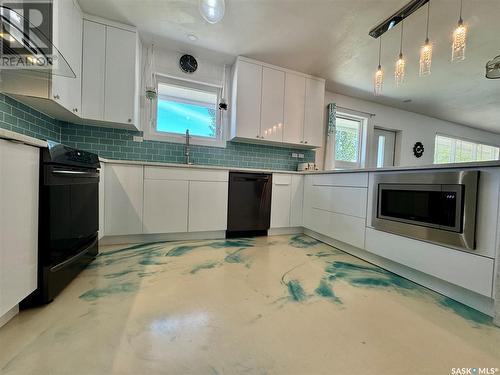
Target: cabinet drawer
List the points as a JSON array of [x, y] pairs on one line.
[[339, 199], [342, 179], [348, 229], [185, 174], [282, 179], [469, 271]]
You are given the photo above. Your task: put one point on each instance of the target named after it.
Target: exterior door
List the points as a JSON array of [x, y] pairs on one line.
[[384, 142]]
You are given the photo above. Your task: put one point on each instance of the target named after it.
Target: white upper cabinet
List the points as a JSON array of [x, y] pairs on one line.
[[119, 90], [246, 100], [295, 94], [275, 105], [314, 128], [93, 70], [68, 40], [110, 88], [273, 96]]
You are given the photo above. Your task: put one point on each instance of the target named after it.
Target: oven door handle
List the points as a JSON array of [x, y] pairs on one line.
[[74, 258], [75, 173]]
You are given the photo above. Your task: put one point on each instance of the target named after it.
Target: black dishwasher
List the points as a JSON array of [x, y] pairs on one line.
[[249, 205]]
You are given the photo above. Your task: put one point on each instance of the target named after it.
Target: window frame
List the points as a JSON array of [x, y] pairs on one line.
[[341, 164], [151, 132], [454, 145]]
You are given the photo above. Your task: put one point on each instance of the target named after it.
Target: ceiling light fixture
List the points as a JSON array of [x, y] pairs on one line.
[[212, 10], [426, 50], [399, 72], [379, 74], [459, 39]]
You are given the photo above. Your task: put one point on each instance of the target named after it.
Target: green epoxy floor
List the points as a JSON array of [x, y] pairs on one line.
[[275, 305]]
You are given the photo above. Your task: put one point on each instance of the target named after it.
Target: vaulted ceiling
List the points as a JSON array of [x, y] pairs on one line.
[[329, 38]]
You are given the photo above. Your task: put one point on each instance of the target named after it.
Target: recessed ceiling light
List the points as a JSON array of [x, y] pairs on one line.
[[192, 37], [407, 101]]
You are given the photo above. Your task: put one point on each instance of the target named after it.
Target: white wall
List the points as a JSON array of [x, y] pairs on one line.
[[412, 127]]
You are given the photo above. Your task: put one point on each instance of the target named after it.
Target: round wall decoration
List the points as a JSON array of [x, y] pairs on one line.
[[188, 64], [418, 149]]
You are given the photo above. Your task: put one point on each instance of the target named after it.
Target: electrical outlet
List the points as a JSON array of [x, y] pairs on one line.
[[138, 138], [301, 156], [295, 155]]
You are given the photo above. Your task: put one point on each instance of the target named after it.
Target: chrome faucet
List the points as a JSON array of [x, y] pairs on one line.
[[186, 148]]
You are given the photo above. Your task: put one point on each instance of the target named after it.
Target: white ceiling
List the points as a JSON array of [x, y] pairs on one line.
[[329, 38]]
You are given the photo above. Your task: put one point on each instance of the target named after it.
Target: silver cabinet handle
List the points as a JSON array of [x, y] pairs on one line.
[[56, 96], [129, 120], [301, 141], [305, 141], [75, 109]]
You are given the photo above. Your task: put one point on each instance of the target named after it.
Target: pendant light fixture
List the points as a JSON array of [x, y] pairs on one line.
[[459, 39], [379, 74], [399, 72], [212, 10], [426, 50]]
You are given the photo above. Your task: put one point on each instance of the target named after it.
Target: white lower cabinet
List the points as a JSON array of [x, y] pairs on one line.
[[165, 206], [162, 200], [123, 189], [19, 169], [286, 200], [207, 206]]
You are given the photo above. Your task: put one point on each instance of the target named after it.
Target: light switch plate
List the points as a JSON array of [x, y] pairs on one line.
[[138, 139], [295, 155], [301, 156]]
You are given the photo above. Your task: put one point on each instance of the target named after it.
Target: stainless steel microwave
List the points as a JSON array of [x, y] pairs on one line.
[[438, 207]]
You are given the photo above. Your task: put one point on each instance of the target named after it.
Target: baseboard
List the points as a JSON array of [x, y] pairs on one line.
[[283, 231], [138, 238], [9, 315], [467, 297]]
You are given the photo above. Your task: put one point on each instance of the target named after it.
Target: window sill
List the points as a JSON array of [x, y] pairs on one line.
[[193, 140]]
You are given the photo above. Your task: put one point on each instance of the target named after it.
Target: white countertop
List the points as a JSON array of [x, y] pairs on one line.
[[195, 166], [17, 137], [479, 164]]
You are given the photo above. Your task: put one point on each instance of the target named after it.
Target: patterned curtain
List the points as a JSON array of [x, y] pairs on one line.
[[330, 137], [332, 118]]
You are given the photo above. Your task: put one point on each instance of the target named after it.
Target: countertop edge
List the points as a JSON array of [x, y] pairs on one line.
[[21, 138]]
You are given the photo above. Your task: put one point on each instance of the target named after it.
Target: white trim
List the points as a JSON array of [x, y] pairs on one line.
[[106, 22], [261, 63], [178, 78], [185, 236], [5, 318]]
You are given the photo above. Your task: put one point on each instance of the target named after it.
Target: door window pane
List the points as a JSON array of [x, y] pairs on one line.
[[381, 151]]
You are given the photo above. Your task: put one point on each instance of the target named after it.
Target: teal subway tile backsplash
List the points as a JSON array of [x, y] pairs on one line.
[[119, 144], [20, 118]]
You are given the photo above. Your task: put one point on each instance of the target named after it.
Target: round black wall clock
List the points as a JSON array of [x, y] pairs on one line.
[[188, 64], [418, 149]]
